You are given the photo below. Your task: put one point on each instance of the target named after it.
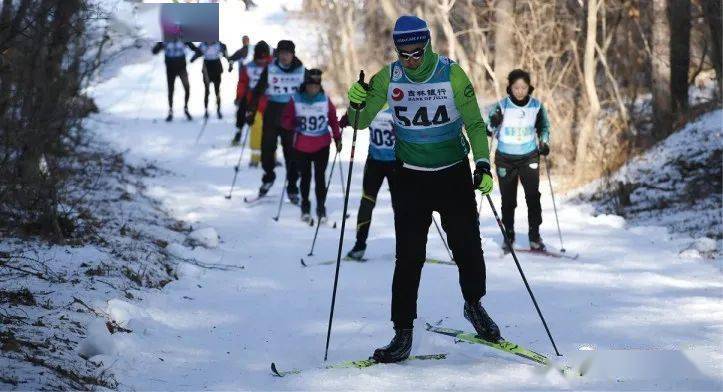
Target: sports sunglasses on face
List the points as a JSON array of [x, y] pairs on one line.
[[414, 54]]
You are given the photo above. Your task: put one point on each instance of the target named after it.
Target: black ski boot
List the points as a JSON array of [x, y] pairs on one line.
[[357, 252], [306, 211], [398, 349], [188, 115], [170, 116], [205, 114], [265, 186], [505, 247], [536, 243], [294, 197], [236, 139], [218, 113], [321, 215], [481, 321]]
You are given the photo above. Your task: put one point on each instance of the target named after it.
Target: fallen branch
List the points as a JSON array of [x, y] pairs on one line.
[[211, 266]]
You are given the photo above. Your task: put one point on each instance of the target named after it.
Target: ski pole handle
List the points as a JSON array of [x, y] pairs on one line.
[[359, 106]]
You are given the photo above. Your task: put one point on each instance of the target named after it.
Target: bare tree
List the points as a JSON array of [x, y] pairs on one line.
[[680, 13], [504, 49], [660, 65], [582, 162], [712, 11]]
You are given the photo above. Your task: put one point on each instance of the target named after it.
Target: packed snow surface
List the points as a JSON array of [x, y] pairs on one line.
[[220, 328]]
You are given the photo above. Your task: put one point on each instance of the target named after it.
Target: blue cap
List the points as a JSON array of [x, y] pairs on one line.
[[410, 30]]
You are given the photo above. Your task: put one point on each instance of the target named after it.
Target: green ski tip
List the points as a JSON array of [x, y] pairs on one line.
[[504, 345]]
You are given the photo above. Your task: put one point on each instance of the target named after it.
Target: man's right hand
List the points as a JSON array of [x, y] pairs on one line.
[[357, 94]]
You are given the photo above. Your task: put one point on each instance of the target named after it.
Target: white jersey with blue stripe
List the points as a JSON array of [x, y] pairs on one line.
[[281, 84], [517, 134], [311, 114], [424, 112], [382, 137], [212, 51], [174, 49]]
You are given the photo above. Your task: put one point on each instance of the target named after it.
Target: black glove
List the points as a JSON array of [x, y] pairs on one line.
[[496, 118], [250, 116], [489, 133], [344, 121], [544, 149]]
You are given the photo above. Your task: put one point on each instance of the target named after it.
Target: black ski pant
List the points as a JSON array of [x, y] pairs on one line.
[[241, 114], [449, 192], [526, 170], [271, 132], [212, 70], [177, 69], [374, 174], [305, 161]]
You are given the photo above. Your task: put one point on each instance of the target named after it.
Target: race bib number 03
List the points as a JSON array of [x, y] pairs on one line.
[[382, 138]]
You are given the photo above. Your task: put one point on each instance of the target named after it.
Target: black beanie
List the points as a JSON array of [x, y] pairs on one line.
[[312, 76], [261, 50], [287, 45], [518, 74]]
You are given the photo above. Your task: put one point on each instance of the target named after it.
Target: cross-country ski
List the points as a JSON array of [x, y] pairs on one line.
[[502, 345], [358, 364]]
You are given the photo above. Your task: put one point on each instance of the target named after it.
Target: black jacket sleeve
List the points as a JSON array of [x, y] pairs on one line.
[[157, 47], [260, 88], [239, 54]]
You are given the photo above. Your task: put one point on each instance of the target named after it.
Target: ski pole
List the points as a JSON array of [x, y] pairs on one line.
[[341, 176], [240, 156], [522, 274], [205, 119], [318, 221], [554, 205], [203, 128], [358, 109], [281, 201], [442, 237]]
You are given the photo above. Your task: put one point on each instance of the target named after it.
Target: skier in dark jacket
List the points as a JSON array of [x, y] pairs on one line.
[[381, 163], [248, 76], [522, 130], [241, 54], [175, 51], [278, 82], [212, 52]]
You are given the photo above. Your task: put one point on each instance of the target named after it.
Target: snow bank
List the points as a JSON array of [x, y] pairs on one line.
[[98, 341], [675, 184], [207, 237]]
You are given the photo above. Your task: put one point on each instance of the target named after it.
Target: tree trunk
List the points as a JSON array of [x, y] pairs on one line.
[[589, 65], [504, 40], [660, 62], [679, 53], [712, 11]]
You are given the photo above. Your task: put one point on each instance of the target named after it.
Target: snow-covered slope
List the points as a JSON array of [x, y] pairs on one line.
[[676, 184]]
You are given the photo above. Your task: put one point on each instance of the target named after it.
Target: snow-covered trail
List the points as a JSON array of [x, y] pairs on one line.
[[220, 329]]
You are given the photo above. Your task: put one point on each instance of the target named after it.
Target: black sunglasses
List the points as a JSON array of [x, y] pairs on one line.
[[414, 54]]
